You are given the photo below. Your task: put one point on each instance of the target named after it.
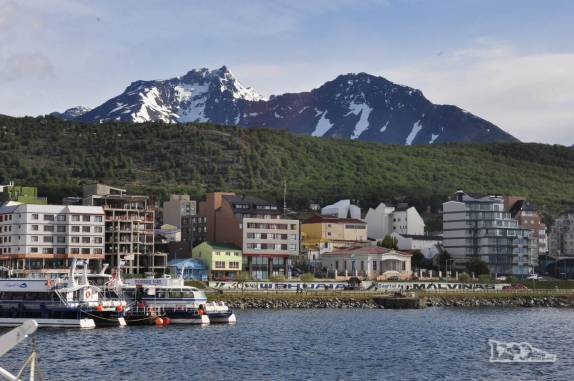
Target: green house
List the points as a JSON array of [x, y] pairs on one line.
[[222, 260]]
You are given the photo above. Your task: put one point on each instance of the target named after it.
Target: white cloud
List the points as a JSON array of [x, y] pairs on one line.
[[529, 95]]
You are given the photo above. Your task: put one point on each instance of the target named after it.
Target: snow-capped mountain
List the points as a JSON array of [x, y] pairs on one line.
[[71, 113], [352, 106]]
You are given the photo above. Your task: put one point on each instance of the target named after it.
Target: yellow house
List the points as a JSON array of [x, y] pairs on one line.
[[223, 261], [325, 233]]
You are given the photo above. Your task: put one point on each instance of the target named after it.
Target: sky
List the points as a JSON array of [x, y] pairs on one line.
[[510, 62]]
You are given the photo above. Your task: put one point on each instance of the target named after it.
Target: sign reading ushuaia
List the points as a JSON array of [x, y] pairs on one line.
[[366, 285]]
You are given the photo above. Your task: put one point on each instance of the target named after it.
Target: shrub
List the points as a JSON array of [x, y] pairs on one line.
[[195, 283], [277, 278], [464, 278], [511, 279], [307, 277], [485, 278]]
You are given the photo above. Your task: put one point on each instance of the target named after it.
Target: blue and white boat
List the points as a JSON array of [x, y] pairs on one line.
[[180, 303], [66, 302]]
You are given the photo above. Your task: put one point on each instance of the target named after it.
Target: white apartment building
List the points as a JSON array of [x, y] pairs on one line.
[[44, 238], [268, 245], [478, 226], [386, 220]]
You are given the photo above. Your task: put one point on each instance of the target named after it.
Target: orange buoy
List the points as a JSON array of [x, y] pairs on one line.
[[200, 312], [166, 320], [120, 308], [158, 321], [99, 308]]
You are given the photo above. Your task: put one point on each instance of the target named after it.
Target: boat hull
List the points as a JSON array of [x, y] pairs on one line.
[[84, 323], [222, 317]]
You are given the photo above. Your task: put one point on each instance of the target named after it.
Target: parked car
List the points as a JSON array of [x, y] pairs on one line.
[[501, 278], [533, 277]]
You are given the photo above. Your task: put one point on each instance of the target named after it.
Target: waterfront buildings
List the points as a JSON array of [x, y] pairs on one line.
[[129, 229], [370, 262], [529, 218], [478, 226], [342, 209], [193, 231], [188, 268], [223, 261], [37, 238], [178, 207], [561, 240], [385, 220], [268, 241]]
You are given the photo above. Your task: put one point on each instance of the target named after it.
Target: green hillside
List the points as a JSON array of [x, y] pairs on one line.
[[156, 158]]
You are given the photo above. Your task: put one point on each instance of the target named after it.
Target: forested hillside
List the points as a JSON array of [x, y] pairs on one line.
[[155, 158]]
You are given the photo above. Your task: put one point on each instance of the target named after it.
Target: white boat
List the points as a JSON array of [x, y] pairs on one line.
[[68, 302]]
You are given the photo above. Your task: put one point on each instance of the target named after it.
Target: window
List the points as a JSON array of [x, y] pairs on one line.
[[47, 250], [48, 238], [48, 228], [233, 265], [292, 246], [33, 249], [60, 239], [85, 229], [34, 238], [292, 237], [61, 229], [35, 227], [61, 217], [75, 217], [75, 229], [86, 218], [374, 265], [34, 217], [75, 239], [48, 217], [85, 250], [227, 253], [98, 218], [98, 229], [85, 239], [97, 239], [98, 251], [74, 250], [60, 250], [219, 264]]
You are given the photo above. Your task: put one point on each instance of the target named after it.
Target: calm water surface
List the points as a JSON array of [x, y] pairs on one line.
[[435, 343]]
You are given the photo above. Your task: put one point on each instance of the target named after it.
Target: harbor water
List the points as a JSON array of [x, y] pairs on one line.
[[435, 343]]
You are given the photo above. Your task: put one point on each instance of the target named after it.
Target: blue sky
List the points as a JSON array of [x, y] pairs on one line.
[[510, 62]]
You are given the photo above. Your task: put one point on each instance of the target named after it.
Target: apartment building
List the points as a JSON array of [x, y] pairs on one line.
[[529, 218], [44, 239], [268, 241], [178, 207], [386, 220], [561, 239], [129, 229], [478, 226]]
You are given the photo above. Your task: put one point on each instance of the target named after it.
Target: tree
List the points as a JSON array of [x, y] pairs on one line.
[[418, 259], [388, 242], [464, 278], [478, 266], [443, 260]]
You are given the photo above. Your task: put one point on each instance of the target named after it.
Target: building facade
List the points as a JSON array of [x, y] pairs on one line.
[[428, 245], [561, 239], [478, 226], [129, 229], [46, 238], [21, 194], [178, 207], [268, 241], [529, 218], [342, 209], [223, 262], [370, 262], [385, 220]]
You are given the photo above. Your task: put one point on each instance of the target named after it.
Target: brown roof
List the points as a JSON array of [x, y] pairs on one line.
[[320, 219]]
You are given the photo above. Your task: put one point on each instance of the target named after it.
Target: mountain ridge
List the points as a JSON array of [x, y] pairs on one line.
[[351, 106]]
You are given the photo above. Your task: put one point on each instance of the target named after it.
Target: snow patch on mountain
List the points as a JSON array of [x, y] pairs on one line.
[[363, 123], [433, 138], [414, 131], [384, 128], [323, 125]]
